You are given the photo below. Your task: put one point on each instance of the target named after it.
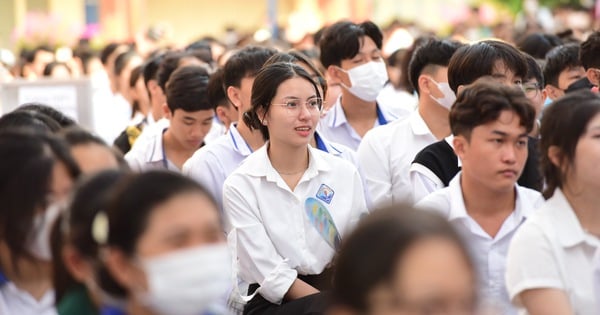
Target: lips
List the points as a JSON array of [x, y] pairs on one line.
[[509, 173], [303, 130]]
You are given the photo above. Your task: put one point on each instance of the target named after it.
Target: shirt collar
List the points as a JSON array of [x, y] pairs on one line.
[[237, 141], [261, 166], [339, 117], [156, 153], [571, 232], [458, 210], [418, 125]]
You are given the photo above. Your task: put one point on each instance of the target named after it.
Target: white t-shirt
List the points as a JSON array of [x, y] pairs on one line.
[[551, 250], [386, 154], [270, 229], [489, 253], [14, 301]]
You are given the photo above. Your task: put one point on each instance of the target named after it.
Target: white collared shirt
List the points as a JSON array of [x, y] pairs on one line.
[[16, 301], [423, 180], [270, 233], [148, 153], [334, 126], [552, 250], [211, 164], [386, 154], [489, 253]]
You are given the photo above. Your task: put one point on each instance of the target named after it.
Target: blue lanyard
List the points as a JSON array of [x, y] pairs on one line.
[[3, 279], [111, 310], [382, 121], [320, 144]]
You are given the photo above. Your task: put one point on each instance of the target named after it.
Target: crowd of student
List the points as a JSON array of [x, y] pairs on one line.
[[272, 182]]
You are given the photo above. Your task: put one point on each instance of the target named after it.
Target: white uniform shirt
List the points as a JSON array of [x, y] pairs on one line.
[[385, 155], [551, 250], [398, 98], [16, 301], [211, 164], [489, 253], [334, 126], [423, 180], [270, 233], [148, 153]]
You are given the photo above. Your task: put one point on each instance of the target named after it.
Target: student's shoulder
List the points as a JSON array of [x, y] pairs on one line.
[[438, 201]]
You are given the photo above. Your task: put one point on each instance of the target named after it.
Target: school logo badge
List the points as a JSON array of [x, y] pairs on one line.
[[325, 193]]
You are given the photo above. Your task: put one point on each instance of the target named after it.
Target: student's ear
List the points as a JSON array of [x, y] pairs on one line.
[[593, 75], [166, 111], [459, 89], [544, 96], [552, 92], [123, 271], [234, 96], [555, 155], [461, 146], [262, 115], [337, 75], [423, 84], [75, 264]]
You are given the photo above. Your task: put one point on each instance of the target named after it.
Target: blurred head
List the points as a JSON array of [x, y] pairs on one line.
[[90, 152], [157, 230], [569, 152], [156, 94], [588, 55], [538, 44], [37, 59], [562, 68], [286, 104], [419, 266], [171, 61], [239, 73], [533, 85], [124, 64], [503, 62], [37, 174], [63, 120], [57, 70], [226, 112], [490, 123], [28, 120], [138, 92], [188, 109]]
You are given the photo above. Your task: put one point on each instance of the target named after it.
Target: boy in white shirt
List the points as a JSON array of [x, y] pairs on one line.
[[490, 123]]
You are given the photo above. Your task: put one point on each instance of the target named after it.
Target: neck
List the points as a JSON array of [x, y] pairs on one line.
[[288, 160], [356, 108], [29, 275], [585, 204], [484, 202], [435, 117], [156, 111], [253, 138], [174, 151]]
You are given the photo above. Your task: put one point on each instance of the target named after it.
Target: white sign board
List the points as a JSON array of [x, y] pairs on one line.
[[63, 98]]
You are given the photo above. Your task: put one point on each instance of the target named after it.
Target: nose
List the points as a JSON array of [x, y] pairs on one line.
[[304, 112], [509, 154]]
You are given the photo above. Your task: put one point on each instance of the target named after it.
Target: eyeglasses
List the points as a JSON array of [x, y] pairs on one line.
[[293, 106], [531, 89]]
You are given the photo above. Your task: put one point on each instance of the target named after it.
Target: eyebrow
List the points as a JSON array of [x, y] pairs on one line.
[[504, 134]]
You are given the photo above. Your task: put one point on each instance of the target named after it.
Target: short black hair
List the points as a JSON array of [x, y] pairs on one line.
[[28, 120], [30, 56], [483, 102], [433, 52], [62, 119], [151, 68], [472, 62], [342, 40], [169, 63], [216, 94], [538, 44], [122, 60], [246, 62], [559, 59], [534, 71], [107, 51], [50, 67], [589, 51], [188, 90]]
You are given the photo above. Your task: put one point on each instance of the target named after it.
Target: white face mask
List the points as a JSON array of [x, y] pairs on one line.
[[449, 96], [39, 238], [187, 282], [367, 80]]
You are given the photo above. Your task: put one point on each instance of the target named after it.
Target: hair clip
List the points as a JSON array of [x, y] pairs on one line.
[[100, 228]]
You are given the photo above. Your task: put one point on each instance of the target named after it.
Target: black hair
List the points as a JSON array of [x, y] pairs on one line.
[[265, 87], [559, 59], [538, 44], [30, 55], [76, 136], [63, 120], [433, 52], [28, 160], [563, 124], [534, 71], [151, 68], [74, 227], [362, 267], [342, 40], [188, 90], [170, 62], [28, 120], [294, 56], [472, 62], [216, 94], [107, 51], [133, 78], [86, 56], [483, 102], [202, 50], [130, 208], [50, 67], [122, 60], [588, 52], [245, 63]]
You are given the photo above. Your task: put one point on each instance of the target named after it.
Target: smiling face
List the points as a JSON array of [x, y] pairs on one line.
[[495, 154], [292, 126]]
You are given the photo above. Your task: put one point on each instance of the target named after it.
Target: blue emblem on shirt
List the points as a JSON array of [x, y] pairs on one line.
[[325, 193]]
